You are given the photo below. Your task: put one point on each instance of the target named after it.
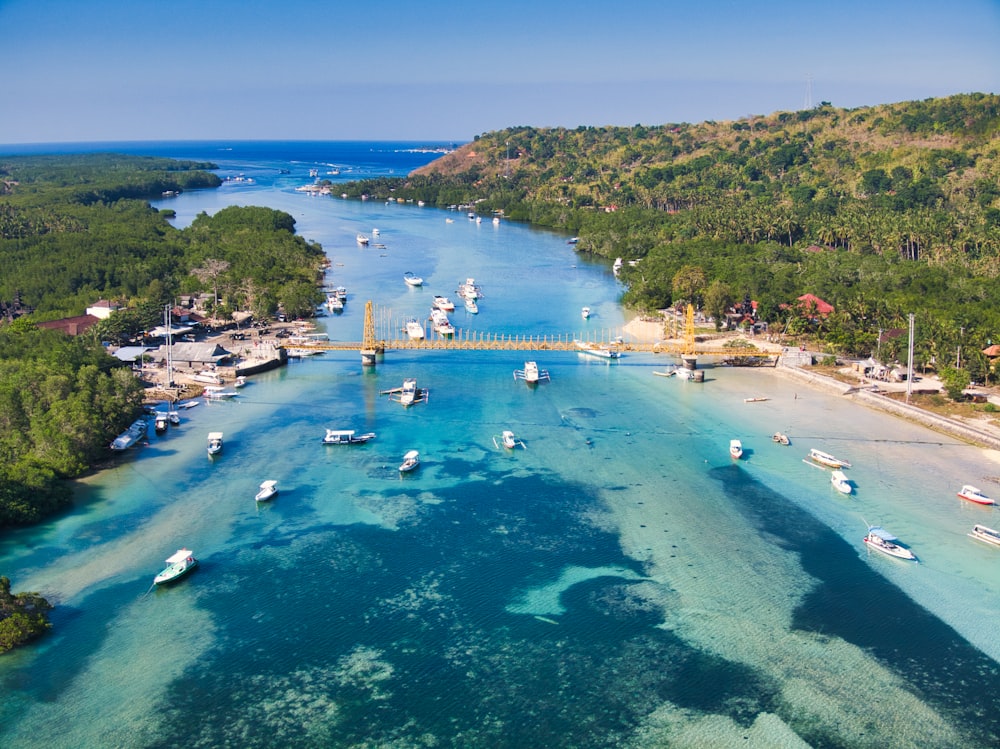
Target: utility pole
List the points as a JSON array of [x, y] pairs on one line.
[[909, 364]]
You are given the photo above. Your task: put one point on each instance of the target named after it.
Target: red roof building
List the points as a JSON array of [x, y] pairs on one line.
[[812, 302]]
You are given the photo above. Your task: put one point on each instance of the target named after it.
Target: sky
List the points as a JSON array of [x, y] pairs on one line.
[[136, 70]]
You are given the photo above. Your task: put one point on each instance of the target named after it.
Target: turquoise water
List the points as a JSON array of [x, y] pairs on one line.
[[619, 581]]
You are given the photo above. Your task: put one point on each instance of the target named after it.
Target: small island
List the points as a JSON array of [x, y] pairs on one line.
[[23, 617]]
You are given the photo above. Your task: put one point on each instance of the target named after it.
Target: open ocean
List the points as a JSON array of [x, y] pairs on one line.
[[619, 582]]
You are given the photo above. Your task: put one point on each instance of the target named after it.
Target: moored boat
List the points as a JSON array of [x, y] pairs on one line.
[[412, 280], [972, 494], [414, 329], [531, 374], [983, 533], [362, 240], [444, 304], [880, 539], [599, 350], [346, 437], [508, 441], [410, 461], [781, 438], [217, 393], [827, 460], [208, 376], [585, 313], [135, 432], [735, 449], [160, 422], [268, 490], [178, 564], [407, 395], [840, 482], [471, 306], [214, 443]]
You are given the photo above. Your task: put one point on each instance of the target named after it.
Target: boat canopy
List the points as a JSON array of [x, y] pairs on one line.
[[179, 556], [882, 533], [411, 455]]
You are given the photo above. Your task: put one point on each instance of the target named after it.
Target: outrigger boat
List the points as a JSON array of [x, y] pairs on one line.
[[346, 437], [531, 374], [178, 565], [268, 490], [409, 394], [880, 539], [410, 461], [983, 533], [827, 460], [508, 441]]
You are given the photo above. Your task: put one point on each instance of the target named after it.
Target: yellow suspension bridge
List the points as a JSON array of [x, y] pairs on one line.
[[372, 344]]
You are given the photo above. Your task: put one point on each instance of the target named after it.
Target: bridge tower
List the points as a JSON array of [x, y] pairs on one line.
[[688, 355], [369, 346]]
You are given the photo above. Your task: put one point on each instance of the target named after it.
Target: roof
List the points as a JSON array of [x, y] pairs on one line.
[[992, 351], [882, 533], [824, 308], [131, 353], [194, 352], [71, 325]]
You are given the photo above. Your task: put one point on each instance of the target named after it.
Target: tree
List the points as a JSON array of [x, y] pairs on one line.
[[688, 284], [211, 272], [955, 381], [718, 298]]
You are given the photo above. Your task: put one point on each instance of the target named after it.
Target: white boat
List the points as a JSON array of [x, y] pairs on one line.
[[412, 280], [496, 220], [375, 232], [471, 306], [781, 438], [531, 374], [508, 441], [880, 539], [178, 564], [973, 494], [334, 303], [346, 437], [983, 533], [441, 323], [410, 461], [470, 289], [341, 293], [160, 422], [585, 313], [756, 399], [240, 381], [414, 329], [268, 490], [616, 268], [827, 460], [840, 482], [735, 449], [683, 373], [217, 393], [174, 417], [214, 443], [444, 304], [135, 432], [208, 376], [600, 350], [363, 240]]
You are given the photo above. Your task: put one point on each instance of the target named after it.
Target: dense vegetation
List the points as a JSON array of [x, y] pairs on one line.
[[880, 211], [23, 616], [75, 229]]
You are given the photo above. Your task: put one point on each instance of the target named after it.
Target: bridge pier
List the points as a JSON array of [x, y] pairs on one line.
[[690, 361], [368, 357]]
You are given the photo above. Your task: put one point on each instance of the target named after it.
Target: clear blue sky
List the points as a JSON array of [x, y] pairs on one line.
[[96, 70]]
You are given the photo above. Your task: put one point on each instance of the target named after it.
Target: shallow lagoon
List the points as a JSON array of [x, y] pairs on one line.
[[619, 581]]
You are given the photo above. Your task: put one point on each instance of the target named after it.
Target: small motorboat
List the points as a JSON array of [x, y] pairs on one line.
[[880, 539], [410, 461], [983, 533], [471, 306], [160, 422], [444, 304], [363, 240], [972, 494], [412, 280], [178, 565], [585, 312], [756, 399], [414, 329], [346, 437], [602, 351], [217, 393], [174, 417], [214, 443], [508, 441], [735, 449], [240, 381], [840, 482], [208, 377], [268, 490], [781, 438], [827, 460]]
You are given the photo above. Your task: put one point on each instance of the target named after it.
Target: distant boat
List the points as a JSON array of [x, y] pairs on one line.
[[217, 392], [881, 540], [840, 482], [208, 376], [375, 232], [827, 460], [407, 395], [444, 304], [135, 432], [781, 438], [983, 533], [268, 490], [160, 422], [412, 280], [508, 441], [756, 399], [410, 461], [471, 306], [363, 240], [174, 417], [346, 437], [178, 565], [585, 313], [972, 494], [572, 240], [602, 351], [616, 268], [735, 449], [214, 443]]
